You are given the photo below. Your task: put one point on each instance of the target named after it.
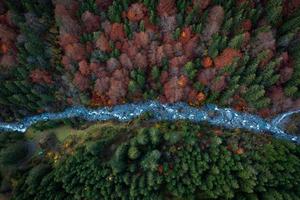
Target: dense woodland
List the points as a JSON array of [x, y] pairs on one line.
[[238, 53], [151, 161]]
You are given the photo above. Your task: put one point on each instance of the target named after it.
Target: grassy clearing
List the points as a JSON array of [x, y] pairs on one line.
[[64, 131]]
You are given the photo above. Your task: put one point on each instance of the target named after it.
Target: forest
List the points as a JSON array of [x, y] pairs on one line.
[[236, 53], [149, 161], [240, 54]]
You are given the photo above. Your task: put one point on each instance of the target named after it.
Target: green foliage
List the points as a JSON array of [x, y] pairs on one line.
[[180, 165], [137, 82], [87, 5], [237, 41], [190, 70], [155, 73], [13, 154], [274, 10], [290, 90], [114, 12]]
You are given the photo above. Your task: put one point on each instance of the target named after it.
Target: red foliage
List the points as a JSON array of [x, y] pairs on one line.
[[98, 70], [263, 41], [98, 100], [65, 39], [160, 54], [8, 60], [75, 51], [149, 26], [239, 103], [81, 82], [166, 7], [84, 68], [160, 169], [164, 77], [40, 76], [168, 50], [118, 86], [218, 85], [140, 61], [130, 49], [178, 61], [112, 64], [103, 44], [102, 85], [66, 61], [247, 25], [265, 112], [136, 12], [7, 33], [117, 32], [106, 25], [67, 18], [172, 91], [141, 39], [290, 6], [125, 61], [286, 74], [214, 21], [91, 21], [190, 47], [226, 57], [205, 76], [178, 49]]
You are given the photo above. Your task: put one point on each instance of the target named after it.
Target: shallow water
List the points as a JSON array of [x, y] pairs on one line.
[[223, 117]]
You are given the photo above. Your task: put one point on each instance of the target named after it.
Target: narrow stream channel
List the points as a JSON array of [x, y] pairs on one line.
[[223, 117]]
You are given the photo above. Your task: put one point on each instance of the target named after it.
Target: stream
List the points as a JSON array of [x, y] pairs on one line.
[[214, 115]]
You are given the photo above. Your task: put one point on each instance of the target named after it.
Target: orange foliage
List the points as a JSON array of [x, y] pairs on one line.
[[226, 57], [265, 112], [207, 62], [201, 97], [185, 35], [98, 100], [239, 151], [240, 104], [117, 32], [4, 48], [182, 81]]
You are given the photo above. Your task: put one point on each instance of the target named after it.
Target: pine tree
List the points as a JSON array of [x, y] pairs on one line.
[[274, 10], [290, 90], [237, 41]]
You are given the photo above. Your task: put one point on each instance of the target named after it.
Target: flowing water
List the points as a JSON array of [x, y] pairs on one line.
[[223, 117]]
